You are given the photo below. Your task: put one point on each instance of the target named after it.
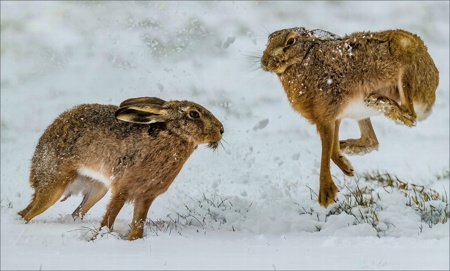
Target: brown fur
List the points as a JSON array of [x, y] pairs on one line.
[[140, 148], [326, 77]]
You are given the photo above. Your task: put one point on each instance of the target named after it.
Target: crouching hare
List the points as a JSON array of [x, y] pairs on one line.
[[136, 150], [328, 78]]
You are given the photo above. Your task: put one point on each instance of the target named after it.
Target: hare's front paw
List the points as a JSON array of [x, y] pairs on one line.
[[327, 193], [343, 164], [390, 109], [136, 232], [356, 146]]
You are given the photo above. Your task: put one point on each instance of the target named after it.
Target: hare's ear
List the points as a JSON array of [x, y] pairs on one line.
[[142, 100], [142, 114]]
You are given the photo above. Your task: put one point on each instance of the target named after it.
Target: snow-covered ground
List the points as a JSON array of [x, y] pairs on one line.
[[252, 204]]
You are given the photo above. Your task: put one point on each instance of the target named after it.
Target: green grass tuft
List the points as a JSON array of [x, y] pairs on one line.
[[432, 206]]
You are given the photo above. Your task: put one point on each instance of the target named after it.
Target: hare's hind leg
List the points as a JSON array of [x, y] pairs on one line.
[[402, 113], [49, 185], [391, 109], [25, 211], [94, 192], [141, 208], [365, 144], [42, 199], [327, 188]]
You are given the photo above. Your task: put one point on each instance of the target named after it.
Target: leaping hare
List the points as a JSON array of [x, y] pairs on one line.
[[136, 150], [328, 78]]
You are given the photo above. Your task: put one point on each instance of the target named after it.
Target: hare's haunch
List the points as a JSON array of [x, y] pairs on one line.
[[328, 78], [136, 150]]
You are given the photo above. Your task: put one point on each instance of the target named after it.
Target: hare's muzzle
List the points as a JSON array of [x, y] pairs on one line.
[[214, 143], [264, 63]]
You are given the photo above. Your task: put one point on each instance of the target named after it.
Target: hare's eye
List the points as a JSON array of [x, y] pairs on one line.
[[290, 41], [194, 114]]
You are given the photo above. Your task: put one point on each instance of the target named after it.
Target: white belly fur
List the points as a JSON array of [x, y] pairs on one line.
[[358, 110], [84, 184], [96, 175], [421, 111]]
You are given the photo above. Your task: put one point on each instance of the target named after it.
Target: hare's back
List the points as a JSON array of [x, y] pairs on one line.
[[83, 117], [90, 115], [86, 121]]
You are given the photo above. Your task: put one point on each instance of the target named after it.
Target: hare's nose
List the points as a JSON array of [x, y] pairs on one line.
[[222, 130], [264, 64]]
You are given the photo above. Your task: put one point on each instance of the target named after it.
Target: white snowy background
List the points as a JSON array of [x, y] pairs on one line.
[[252, 204]]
